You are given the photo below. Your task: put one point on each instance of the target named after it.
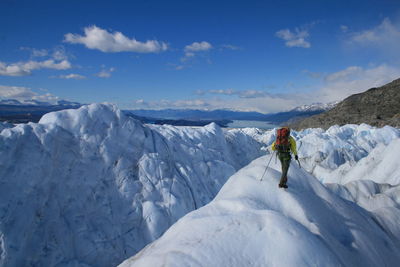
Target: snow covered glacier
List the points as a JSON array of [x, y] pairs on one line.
[[92, 187], [253, 223]]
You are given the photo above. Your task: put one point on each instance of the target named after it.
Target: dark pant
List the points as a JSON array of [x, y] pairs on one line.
[[284, 158]]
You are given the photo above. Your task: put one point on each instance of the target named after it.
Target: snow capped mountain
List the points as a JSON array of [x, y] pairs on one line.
[[92, 187], [194, 114], [15, 111], [34, 102], [68, 103], [316, 106], [24, 102], [10, 102], [253, 223]]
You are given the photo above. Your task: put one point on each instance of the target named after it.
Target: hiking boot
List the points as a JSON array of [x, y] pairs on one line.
[[283, 186]]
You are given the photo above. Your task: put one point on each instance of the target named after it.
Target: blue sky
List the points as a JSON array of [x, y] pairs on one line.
[[245, 55]]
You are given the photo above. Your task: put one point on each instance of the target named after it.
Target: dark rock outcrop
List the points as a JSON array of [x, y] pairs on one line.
[[376, 106]]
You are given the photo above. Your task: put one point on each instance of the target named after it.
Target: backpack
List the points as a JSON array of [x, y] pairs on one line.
[[282, 143]]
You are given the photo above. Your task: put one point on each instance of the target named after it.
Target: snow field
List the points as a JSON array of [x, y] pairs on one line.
[[351, 152], [90, 187], [253, 223]]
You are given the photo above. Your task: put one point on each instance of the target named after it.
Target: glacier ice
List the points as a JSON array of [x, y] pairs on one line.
[[253, 223], [91, 187]]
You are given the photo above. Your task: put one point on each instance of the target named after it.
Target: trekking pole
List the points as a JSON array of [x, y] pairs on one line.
[[298, 161], [267, 166]]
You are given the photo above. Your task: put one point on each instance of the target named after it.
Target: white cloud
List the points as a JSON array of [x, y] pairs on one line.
[[198, 46], [140, 101], [39, 52], [36, 52], [59, 53], [194, 48], [189, 54], [72, 76], [15, 92], [25, 94], [57, 60], [26, 68], [298, 38], [347, 73], [200, 92], [383, 34], [384, 39], [253, 94], [239, 93], [100, 39], [244, 100], [179, 104], [105, 73], [261, 104], [223, 91], [353, 80], [336, 86]]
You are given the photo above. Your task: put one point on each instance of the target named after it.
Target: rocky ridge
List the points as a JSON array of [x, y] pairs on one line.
[[376, 106]]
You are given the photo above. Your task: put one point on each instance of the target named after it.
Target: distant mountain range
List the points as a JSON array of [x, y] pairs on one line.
[[177, 122], [376, 106], [316, 107], [191, 115], [34, 102], [15, 111], [195, 114], [298, 113]]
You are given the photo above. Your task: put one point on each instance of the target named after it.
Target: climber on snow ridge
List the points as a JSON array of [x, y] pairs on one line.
[[284, 145]]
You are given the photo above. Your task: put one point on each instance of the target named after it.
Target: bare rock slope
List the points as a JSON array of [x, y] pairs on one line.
[[376, 106]]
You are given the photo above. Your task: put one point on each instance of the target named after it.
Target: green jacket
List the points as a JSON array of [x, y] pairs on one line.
[[292, 142]]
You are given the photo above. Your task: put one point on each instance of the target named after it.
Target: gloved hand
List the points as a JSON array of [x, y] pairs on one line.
[[296, 157]]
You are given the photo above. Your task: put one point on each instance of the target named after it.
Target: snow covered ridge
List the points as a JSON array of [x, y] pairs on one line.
[[350, 153], [91, 187], [253, 223], [316, 106], [346, 153]]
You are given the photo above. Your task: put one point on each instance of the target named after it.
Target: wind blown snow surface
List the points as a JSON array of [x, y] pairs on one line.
[[91, 187], [253, 223]]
